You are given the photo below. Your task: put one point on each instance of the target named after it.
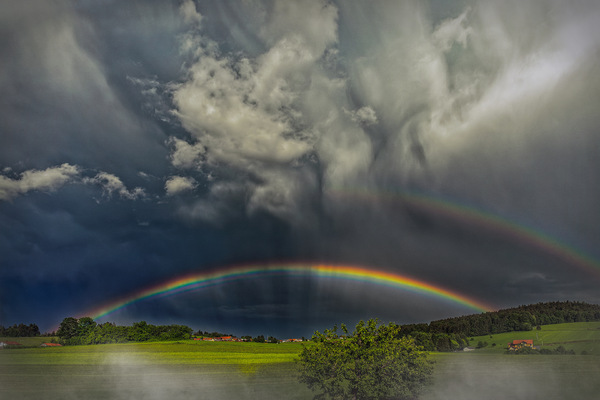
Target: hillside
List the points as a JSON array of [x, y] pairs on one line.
[[522, 318], [581, 337], [453, 334]]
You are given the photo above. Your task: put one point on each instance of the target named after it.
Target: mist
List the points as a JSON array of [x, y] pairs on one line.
[[472, 376]]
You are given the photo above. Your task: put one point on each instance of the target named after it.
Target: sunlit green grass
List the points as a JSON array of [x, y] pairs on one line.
[[184, 352], [173, 370]]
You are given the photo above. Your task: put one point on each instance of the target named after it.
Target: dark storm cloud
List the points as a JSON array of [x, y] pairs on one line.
[[59, 103], [143, 139]]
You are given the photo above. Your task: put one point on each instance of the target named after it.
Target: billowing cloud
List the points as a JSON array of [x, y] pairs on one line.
[[49, 179], [246, 113], [364, 115], [190, 14], [185, 155], [179, 184]]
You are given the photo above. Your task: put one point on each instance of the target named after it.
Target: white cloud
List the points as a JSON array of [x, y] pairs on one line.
[[49, 179], [314, 21], [398, 101], [452, 31], [364, 115], [247, 114], [189, 12], [185, 155], [112, 184], [179, 184]]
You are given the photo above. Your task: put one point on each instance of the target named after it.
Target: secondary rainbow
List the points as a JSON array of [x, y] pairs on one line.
[[469, 214], [220, 276]]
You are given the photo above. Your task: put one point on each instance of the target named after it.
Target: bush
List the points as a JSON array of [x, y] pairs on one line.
[[370, 363]]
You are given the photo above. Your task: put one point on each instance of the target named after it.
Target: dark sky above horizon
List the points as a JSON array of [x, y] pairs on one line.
[[144, 140]]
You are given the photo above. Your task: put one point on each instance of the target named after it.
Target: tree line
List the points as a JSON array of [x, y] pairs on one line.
[[20, 330], [73, 331]]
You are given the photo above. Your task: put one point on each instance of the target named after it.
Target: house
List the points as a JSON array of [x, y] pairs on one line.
[[520, 343], [220, 339], [4, 344], [51, 345]]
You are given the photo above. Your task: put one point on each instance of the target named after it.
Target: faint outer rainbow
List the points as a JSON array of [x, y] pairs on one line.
[[223, 275], [469, 214]]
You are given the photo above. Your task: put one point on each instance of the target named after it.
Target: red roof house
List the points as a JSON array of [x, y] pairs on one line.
[[520, 343]]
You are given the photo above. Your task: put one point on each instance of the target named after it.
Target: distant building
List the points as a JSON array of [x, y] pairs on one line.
[[520, 343], [4, 344], [51, 345], [220, 339]]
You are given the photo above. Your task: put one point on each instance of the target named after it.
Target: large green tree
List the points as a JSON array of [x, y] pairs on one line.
[[373, 362], [68, 329]]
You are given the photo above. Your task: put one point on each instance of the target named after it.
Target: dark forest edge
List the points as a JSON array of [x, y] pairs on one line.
[[442, 335]]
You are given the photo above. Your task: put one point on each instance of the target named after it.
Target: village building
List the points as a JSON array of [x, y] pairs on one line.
[[4, 344], [519, 344], [219, 339]]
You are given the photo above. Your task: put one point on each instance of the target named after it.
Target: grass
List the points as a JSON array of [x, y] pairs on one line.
[[183, 352], [577, 336], [224, 370], [494, 376], [156, 370]]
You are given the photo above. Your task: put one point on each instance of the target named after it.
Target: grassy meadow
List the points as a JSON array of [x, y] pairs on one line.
[[577, 336], [226, 370], [157, 370]]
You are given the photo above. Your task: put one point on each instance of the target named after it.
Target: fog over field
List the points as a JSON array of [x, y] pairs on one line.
[[450, 142]]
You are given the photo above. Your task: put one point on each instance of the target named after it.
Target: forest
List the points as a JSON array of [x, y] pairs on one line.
[[20, 330]]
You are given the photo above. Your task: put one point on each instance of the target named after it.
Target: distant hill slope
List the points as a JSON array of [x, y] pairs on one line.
[[452, 334], [581, 337], [522, 318]]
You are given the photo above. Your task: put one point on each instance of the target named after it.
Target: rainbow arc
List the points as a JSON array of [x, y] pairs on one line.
[[198, 281]]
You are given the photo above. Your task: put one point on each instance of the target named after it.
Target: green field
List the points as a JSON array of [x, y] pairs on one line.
[[225, 370], [172, 370], [476, 376], [577, 336]]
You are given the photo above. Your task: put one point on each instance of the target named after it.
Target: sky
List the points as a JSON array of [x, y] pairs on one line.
[[453, 142]]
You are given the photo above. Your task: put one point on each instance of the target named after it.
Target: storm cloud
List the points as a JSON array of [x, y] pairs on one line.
[[148, 139]]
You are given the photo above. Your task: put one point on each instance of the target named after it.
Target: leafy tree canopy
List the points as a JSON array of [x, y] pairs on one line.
[[85, 330], [372, 362]]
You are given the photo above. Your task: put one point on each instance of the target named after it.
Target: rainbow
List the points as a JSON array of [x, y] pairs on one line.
[[204, 279], [471, 215]]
